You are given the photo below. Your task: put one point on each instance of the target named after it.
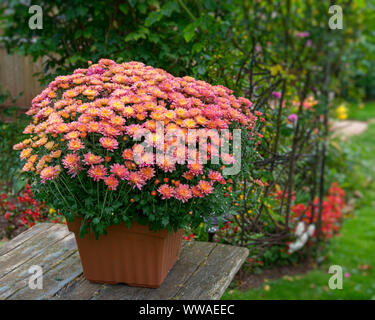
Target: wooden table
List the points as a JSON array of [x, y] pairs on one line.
[[203, 271]]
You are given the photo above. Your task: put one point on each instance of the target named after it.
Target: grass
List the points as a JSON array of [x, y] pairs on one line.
[[354, 249], [362, 112]]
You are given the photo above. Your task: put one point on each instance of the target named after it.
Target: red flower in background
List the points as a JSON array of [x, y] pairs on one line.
[[24, 210], [332, 206]]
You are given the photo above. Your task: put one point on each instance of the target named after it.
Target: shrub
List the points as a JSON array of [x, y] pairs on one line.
[[24, 211]]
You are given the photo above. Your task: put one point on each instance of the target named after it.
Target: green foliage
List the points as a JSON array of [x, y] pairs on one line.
[[159, 33], [11, 133], [357, 236]]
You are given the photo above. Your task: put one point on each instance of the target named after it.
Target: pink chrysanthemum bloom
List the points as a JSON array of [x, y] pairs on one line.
[[19, 146], [195, 168], [136, 180], [183, 193], [25, 153], [90, 159], [97, 172], [227, 158], [108, 143], [167, 166], [147, 173], [109, 130], [75, 144], [197, 193], [120, 170], [106, 113], [215, 175], [127, 154], [93, 126], [166, 191], [111, 182], [71, 160], [188, 175], [205, 187], [29, 166], [49, 173], [72, 135]]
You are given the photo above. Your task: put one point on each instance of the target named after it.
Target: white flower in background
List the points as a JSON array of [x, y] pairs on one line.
[[302, 236], [300, 228], [311, 230], [303, 239]]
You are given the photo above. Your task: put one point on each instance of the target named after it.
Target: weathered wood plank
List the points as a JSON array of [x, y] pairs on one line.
[[53, 255], [24, 236], [53, 280], [214, 275], [35, 246]]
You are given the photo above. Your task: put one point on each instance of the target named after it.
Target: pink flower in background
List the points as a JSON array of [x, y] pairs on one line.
[[347, 275], [302, 34], [293, 118], [309, 43], [276, 94]]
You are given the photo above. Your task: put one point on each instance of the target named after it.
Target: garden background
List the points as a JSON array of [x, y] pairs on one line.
[[304, 199]]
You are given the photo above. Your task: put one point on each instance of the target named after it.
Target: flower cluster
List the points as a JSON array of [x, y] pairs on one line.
[[333, 204], [25, 211], [88, 123]]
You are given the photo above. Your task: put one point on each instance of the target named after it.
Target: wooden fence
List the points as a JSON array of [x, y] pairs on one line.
[[16, 76]]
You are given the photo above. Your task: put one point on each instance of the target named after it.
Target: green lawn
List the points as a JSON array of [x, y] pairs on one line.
[[354, 249], [361, 112]]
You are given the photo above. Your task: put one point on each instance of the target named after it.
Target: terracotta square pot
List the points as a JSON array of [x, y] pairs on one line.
[[135, 256]]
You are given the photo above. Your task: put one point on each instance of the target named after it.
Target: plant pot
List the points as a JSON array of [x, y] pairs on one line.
[[135, 256]]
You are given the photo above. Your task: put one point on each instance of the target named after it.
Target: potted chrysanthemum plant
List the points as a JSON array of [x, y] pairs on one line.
[[117, 148]]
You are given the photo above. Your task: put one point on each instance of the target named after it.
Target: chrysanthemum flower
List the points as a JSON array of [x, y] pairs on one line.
[[49, 173], [188, 175], [109, 143], [93, 126], [197, 193], [72, 135], [147, 172], [166, 191], [97, 172], [183, 193], [19, 146], [29, 166], [120, 170], [136, 180], [25, 153], [215, 175], [71, 160], [205, 187], [90, 159], [75, 145], [111, 182], [127, 154], [195, 168]]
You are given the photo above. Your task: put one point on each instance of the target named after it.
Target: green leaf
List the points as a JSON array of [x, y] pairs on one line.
[[124, 8], [189, 32], [153, 17]]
